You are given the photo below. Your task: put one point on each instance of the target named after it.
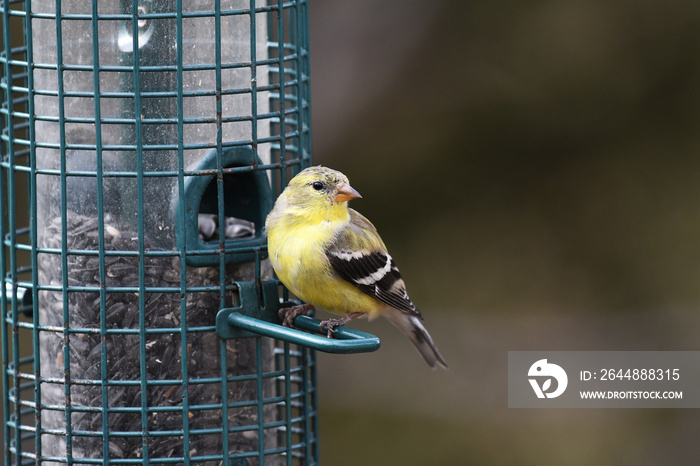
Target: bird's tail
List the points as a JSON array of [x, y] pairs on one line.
[[413, 328]]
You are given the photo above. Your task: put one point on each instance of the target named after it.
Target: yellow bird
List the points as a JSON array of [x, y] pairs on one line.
[[332, 258]]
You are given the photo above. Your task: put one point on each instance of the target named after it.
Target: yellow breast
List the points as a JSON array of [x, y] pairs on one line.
[[299, 259]]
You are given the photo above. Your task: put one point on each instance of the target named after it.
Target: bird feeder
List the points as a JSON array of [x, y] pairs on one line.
[[143, 144]]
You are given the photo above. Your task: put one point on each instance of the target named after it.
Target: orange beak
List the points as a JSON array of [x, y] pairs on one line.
[[345, 192]]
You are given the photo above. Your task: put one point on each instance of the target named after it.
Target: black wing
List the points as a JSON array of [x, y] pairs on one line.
[[359, 257]]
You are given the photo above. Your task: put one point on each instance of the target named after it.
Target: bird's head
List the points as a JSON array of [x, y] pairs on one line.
[[314, 196], [321, 186]]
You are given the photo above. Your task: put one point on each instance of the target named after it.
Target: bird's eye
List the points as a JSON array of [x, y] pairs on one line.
[[317, 185]]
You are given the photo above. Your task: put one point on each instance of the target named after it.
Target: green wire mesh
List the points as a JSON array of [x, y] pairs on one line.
[[109, 345]]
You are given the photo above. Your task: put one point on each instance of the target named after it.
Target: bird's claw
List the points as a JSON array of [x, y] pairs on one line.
[[288, 314], [331, 324]]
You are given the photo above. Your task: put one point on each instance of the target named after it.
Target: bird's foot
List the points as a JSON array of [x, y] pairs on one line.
[[288, 314], [331, 324]]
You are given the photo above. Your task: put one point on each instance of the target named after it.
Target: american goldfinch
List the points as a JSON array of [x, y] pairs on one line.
[[332, 258]]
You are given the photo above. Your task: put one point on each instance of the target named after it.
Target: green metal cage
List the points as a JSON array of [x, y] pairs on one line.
[[143, 143]]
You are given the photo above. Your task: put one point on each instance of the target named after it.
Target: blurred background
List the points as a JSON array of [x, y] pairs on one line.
[[533, 168]]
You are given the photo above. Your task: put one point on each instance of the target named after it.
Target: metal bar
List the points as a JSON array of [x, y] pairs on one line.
[[282, 105], [129, 174], [143, 374], [253, 77], [307, 401], [304, 86], [303, 99], [104, 373], [64, 235], [7, 39], [224, 401], [345, 340], [312, 403], [122, 68], [34, 234], [219, 153], [260, 400], [288, 403], [182, 243], [221, 219], [129, 147], [152, 15]]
